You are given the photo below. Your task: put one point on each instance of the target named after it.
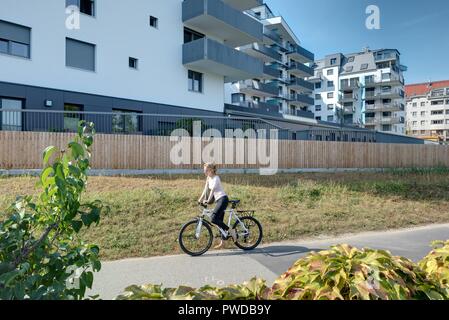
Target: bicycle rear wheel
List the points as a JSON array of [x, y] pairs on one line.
[[249, 233], [196, 240]]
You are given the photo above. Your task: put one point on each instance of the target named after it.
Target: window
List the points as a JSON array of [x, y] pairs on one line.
[[330, 107], [318, 97], [330, 118], [386, 127], [125, 122], [318, 119], [386, 76], [437, 103], [423, 104], [317, 108], [133, 63], [351, 59], [80, 54], [330, 84], [415, 114], [423, 123], [415, 104], [15, 39], [318, 85], [437, 112], [11, 118], [330, 72], [415, 123], [423, 113], [333, 61], [437, 121], [190, 35], [154, 22], [85, 6], [364, 66], [195, 81], [238, 97], [349, 69], [330, 95], [72, 117]]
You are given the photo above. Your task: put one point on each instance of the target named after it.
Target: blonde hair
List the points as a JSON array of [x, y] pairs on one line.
[[211, 166]]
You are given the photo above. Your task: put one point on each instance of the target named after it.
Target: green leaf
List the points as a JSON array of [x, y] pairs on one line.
[[48, 152], [77, 225], [77, 150], [44, 176]]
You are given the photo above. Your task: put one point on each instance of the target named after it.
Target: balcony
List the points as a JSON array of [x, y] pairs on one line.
[[348, 110], [301, 99], [300, 70], [243, 5], [352, 85], [392, 81], [345, 98], [271, 37], [256, 88], [208, 56], [258, 108], [390, 107], [301, 85], [300, 54], [261, 52], [390, 56], [438, 94], [270, 73], [384, 120], [217, 19], [390, 94]]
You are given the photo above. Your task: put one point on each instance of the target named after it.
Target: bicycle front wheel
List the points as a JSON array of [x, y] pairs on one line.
[[249, 233], [196, 238]]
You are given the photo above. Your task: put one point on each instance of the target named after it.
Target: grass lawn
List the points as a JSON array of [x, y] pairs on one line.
[[147, 212]]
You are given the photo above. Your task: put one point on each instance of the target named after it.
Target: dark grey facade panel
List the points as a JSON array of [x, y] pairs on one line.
[[15, 32], [80, 54]]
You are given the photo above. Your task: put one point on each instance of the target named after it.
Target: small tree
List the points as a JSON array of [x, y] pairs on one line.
[[41, 254]]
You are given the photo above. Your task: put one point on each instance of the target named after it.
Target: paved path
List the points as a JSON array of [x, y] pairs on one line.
[[268, 262]]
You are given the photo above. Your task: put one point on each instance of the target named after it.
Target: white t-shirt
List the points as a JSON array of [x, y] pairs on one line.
[[215, 184]]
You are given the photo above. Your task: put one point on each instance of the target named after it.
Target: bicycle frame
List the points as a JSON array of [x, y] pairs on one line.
[[208, 213]]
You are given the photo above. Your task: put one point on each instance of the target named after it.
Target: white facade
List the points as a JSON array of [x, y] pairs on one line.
[[119, 30], [428, 113], [363, 89], [277, 92]]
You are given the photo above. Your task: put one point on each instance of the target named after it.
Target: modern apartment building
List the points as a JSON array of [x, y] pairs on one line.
[[281, 90], [428, 110], [164, 57], [364, 89]]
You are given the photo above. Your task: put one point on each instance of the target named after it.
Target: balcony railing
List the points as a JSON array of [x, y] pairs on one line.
[[388, 107], [384, 120], [299, 53], [302, 99], [256, 87], [301, 69], [211, 56], [352, 85], [302, 84], [262, 52], [122, 123], [218, 19]]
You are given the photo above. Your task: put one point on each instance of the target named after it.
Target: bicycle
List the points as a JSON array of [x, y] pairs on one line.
[[196, 236]]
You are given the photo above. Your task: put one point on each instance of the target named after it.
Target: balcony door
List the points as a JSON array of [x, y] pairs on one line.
[[11, 115]]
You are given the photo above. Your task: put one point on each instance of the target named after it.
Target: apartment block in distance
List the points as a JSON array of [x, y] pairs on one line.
[[281, 90], [364, 89], [140, 56], [428, 110]]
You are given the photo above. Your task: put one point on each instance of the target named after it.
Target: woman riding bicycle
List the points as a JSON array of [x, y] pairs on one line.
[[214, 192]]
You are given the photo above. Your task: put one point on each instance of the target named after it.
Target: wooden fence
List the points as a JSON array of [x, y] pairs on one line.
[[23, 150]]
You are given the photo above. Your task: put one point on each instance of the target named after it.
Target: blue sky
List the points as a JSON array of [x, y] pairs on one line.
[[419, 29]]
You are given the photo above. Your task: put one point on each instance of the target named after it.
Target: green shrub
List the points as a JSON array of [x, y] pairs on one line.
[[436, 264], [341, 273], [255, 289], [346, 273], [41, 256]]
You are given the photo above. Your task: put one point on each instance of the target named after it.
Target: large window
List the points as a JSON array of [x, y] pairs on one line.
[[80, 54], [195, 81], [11, 117], [15, 39], [190, 35], [72, 117], [125, 122], [85, 6]]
